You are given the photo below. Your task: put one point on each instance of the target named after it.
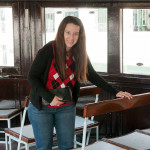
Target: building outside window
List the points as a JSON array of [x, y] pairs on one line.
[[141, 19], [136, 36], [95, 23]]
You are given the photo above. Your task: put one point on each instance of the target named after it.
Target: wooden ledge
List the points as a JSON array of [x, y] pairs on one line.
[[113, 105]]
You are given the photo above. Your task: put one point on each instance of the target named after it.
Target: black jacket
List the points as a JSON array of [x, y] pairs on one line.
[[38, 74]]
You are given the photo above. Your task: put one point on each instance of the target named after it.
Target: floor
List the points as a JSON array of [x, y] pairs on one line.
[[14, 147], [14, 144]]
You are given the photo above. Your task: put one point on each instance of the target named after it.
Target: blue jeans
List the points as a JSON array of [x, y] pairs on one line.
[[44, 121]]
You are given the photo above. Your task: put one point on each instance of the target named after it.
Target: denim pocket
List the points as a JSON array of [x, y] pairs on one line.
[[32, 108]]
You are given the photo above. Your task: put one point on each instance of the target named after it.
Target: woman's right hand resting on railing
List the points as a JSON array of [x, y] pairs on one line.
[[124, 94]]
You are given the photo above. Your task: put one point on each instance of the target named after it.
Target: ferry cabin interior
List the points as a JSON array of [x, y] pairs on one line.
[[118, 33]]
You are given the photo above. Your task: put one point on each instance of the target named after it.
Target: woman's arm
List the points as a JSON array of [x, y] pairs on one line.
[[37, 71], [94, 78]]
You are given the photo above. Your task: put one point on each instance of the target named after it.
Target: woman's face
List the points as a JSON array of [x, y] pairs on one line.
[[71, 35]]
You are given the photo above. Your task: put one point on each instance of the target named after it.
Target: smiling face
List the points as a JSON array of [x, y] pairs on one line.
[[71, 35]]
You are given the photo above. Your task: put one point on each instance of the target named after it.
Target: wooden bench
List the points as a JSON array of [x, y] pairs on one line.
[[120, 104]]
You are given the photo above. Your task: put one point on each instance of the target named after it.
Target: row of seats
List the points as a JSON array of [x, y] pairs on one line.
[[8, 115], [24, 134], [137, 140]]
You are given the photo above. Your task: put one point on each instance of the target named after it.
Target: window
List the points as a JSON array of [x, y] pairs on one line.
[[136, 36], [6, 37], [95, 23]]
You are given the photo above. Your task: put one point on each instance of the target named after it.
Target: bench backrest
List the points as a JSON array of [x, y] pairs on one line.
[[119, 104]]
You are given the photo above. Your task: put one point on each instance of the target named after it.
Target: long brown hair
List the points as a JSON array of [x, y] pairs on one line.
[[78, 50]]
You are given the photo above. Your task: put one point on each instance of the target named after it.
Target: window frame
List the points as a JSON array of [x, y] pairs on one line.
[[22, 63], [115, 37], [16, 40], [98, 48], [136, 6]]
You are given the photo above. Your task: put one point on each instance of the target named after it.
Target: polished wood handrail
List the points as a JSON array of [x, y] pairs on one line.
[[119, 104]]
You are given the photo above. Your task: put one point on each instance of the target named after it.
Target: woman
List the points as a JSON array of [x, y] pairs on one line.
[[59, 64]]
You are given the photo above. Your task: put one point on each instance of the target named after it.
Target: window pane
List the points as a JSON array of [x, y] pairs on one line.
[[6, 37], [95, 23], [136, 38]]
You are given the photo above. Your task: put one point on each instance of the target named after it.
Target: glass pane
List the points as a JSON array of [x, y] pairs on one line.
[[95, 23], [136, 37], [6, 37]]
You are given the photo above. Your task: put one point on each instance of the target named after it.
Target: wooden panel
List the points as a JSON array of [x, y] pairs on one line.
[[15, 88], [36, 28], [24, 90], [137, 118], [16, 28], [113, 40], [8, 89]]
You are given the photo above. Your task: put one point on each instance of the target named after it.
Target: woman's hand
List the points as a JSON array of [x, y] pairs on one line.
[[56, 101], [124, 94]]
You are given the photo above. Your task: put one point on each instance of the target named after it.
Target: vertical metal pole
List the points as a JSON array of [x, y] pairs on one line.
[[22, 125], [84, 133]]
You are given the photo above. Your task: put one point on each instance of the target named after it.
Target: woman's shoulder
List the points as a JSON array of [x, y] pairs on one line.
[[49, 45], [47, 48]]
